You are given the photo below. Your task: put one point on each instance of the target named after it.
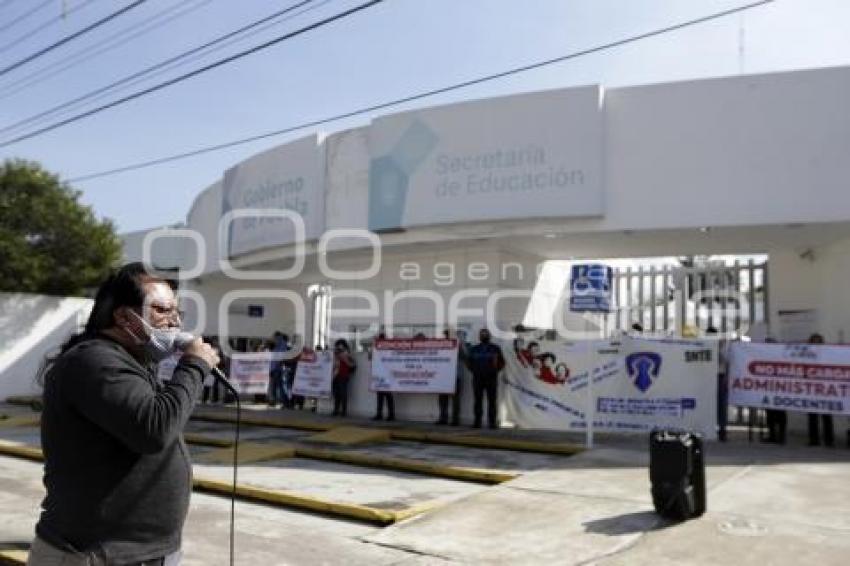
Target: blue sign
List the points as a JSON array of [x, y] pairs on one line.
[[590, 288]]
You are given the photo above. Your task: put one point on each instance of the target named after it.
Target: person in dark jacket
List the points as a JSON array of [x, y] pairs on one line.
[[344, 367], [116, 469], [485, 361], [824, 419]]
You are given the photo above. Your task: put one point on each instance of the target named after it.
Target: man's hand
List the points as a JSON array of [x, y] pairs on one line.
[[202, 350]]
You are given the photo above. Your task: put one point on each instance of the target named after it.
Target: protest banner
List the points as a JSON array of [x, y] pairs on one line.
[[638, 385], [314, 374], [418, 365], [249, 372], [810, 378]]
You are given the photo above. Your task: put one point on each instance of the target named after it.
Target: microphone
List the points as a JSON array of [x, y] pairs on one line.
[[182, 340]]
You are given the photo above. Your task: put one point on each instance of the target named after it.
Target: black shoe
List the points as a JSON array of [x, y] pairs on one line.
[[476, 425], [440, 422], [455, 423], [378, 418], [390, 417]]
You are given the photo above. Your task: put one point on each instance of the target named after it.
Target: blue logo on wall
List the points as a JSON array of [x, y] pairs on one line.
[[642, 368], [389, 176]]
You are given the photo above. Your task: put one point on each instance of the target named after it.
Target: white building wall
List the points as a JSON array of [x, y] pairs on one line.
[[32, 327]]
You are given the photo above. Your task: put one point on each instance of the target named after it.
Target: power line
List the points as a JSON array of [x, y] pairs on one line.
[[107, 44], [152, 68], [25, 15], [413, 97], [71, 37], [190, 59], [41, 27], [194, 73]]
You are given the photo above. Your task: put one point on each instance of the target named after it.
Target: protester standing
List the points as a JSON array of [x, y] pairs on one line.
[[485, 361], [825, 419], [344, 367], [276, 392]]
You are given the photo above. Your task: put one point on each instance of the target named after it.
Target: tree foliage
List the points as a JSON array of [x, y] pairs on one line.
[[50, 242]]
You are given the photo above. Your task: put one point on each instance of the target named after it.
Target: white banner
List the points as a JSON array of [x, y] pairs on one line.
[[288, 177], [528, 155], [811, 378], [314, 374], [414, 365], [249, 372], [638, 385]]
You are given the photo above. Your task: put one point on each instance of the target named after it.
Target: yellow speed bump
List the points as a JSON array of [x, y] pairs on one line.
[[21, 420], [365, 460], [203, 440], [259, 420], [287, 499], [475, 441], [13, 556], [405, 465], [273, 497], [248, 452], [21, 451], [351, 435], [492, 442]]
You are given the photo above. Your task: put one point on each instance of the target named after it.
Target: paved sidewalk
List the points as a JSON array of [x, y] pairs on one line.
[[767, 505]]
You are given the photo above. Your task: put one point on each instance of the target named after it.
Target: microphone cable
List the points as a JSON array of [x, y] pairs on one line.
[[220, 377]]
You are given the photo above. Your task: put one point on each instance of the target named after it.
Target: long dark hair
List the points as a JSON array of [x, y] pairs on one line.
[[124, 287]]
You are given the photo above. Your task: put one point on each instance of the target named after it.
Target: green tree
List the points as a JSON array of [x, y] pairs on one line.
[[50, 242]]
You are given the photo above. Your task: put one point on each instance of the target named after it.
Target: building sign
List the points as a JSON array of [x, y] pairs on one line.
[[523, 156], [288, 177]]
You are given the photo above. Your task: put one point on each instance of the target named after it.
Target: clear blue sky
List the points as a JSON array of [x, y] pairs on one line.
[[397, 48]]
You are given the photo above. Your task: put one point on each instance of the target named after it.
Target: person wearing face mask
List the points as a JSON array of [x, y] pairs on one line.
[[117, 470]]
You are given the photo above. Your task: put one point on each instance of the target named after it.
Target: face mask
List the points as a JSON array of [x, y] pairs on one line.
[[161, 341]]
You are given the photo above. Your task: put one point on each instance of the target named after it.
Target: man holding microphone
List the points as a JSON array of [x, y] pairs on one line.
[[117, 470]]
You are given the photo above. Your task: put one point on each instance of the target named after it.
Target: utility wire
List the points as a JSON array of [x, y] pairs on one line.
[[413, 97], [196, 72], [35, 31], [187, 61], [25, 15], [71, 37], [152, 68], [107, 44]]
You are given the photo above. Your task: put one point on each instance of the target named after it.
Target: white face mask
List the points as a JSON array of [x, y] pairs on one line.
[[161, 342]]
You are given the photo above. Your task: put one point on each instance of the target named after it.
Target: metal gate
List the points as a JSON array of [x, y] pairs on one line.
[[669, 299]]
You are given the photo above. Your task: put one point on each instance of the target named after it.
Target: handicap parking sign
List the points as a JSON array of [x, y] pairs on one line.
[[590, 288]]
